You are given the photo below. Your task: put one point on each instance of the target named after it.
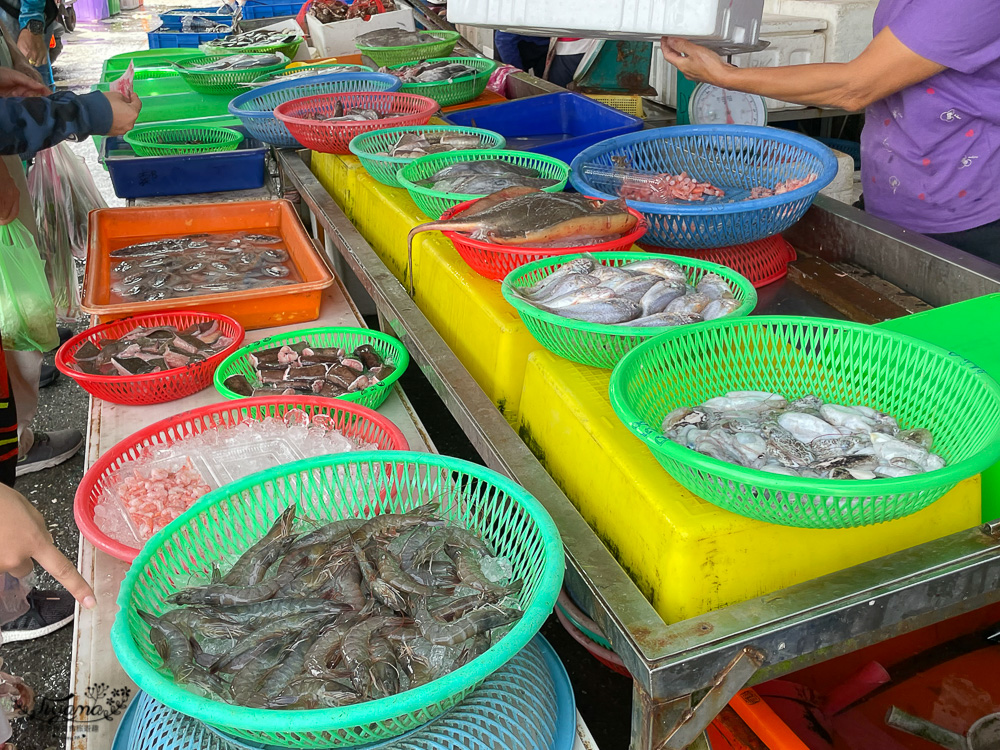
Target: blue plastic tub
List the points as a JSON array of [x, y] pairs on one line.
[[271, 8], [560, 125], [171, 20], [185, 39], [735, 158], [144, 177]]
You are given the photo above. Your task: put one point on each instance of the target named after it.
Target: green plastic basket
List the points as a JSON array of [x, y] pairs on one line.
[[227, 521], [170, 140], [143, 59], [597, 344], [434, 202], [148, 74], [458, 90], [845, 363], [389, 348], [288, 49], [221, 81], [318, 69], [367, 148], [387, 56]]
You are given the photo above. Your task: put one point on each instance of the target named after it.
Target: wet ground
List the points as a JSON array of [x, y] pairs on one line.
[[603, 697]]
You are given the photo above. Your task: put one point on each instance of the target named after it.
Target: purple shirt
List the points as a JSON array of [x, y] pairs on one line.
[[931, 153]]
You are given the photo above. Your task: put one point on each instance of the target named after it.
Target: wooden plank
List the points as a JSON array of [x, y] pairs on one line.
[[839, 289], [94, 664]]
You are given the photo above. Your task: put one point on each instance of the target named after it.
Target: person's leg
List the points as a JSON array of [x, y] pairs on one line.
[[983, 242], [24, 369], [533, 56], [564, 68]]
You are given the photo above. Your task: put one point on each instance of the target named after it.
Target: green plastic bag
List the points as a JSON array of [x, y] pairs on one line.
[[27, 312]]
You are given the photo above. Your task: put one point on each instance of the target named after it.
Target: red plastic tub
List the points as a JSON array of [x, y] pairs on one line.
[[496, 261], [352, 420], [157, 387]]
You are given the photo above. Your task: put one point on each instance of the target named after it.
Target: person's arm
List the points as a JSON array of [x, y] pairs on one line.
[[28, 125], [885, 67], [32, 40]]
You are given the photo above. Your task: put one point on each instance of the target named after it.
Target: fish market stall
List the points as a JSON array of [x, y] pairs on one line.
[[690, 639]]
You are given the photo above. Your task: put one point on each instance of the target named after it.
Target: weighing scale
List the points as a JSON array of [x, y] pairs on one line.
[[712, 105]]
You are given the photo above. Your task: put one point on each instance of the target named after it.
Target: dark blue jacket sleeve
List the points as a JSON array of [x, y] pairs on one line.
[[29, 125], [31, 10]]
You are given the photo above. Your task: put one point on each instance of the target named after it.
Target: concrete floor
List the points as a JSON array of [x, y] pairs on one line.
[[603, 697]]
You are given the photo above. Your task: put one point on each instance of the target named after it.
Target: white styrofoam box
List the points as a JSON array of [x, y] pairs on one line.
[[716, 20], [849, 23], [479, 37], [787, 49], [794, 41], [290, 25], [842, 187], [332, 39]]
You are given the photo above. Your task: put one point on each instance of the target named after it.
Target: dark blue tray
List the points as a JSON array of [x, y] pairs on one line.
[[560, 125], [271, 8], [177, 39], [170, 20], [148, 176]]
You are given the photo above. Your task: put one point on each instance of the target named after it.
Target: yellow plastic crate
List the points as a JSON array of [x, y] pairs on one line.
[[469, 312], [686, 555], [630, 104]]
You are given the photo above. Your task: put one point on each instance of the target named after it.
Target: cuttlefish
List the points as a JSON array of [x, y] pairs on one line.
[[525, 216]]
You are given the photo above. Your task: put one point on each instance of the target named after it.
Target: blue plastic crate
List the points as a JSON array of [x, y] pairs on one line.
[[271, 8], [144, 177], [185, 39], [171, 20], [560, 125]]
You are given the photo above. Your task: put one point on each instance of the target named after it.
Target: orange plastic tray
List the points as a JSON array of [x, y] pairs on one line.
[[114, 228], [485, 98]]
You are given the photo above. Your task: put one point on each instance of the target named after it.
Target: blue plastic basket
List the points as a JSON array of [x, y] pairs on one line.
[[735, 158], [255, 109], [267, 9], [560, 125], [148, 176], [182, 39], [171, 20], [526, 705]]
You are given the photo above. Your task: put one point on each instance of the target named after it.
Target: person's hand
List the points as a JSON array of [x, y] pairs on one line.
[[24, 536], [124, 112], [10, 197], [33, 47], [697, 63], [13, 83]]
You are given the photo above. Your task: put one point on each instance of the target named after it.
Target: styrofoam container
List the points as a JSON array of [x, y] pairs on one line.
[[793, 41], [332, 39], [735, 21], [849, 23], [842, 187]]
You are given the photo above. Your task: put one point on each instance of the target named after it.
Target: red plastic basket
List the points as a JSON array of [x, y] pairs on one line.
[[333, 137], [496, 261], [157, 387], [763, 262], [353, 420]]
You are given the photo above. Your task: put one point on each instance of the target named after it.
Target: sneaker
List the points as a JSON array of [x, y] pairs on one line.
[[50, 449], [49, 611], [48, 376], [65, 334]]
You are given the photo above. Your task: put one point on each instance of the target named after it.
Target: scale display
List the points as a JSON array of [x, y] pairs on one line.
[[711, 105]]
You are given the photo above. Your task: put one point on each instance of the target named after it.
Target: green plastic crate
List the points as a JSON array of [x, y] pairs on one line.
[[959, 328], [146, 58]]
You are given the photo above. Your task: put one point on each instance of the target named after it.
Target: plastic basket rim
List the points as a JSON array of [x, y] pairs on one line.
[[226, 137], [487, 153], [524, 308], [554, 252], [449, 37], [121, 551], [950, 474], [237, 102], [490, 66], [358, 141], [826, 175], [402, 359], [201, 58], [371, 712], [429, 105], [62, 358], [292, 47], [277, 75]]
